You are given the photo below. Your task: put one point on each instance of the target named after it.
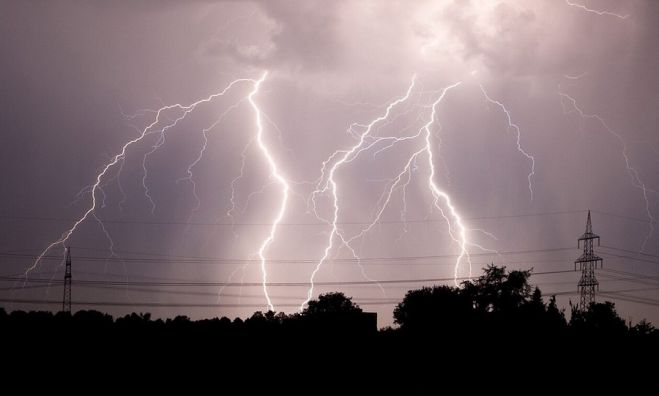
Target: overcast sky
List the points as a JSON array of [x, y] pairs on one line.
[[78, 79]]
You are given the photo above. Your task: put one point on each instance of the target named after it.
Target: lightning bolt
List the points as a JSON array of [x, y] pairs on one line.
[[232, 199], [514, 126], [403, 210], [331, 185], [592, 11], [162, 134], [113, 254], [113, 161], [365, 142], [459, 237], [274, 174], [633, 173], [189, 172], [576, 76], [437, 193]]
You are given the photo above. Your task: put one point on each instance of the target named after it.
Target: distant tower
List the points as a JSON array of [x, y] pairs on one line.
[[66, 302], [587, 264]]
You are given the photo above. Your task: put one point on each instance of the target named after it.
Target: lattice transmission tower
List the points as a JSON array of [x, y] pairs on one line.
[[588, 262], [66, 301]]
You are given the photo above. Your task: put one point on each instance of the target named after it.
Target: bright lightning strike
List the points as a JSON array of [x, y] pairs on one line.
[[190, 176], [518, 134], [438, 193], [162, 132], [461, 236], [331, 185], [425, 131], [402, 180], [275, 174], [232, 199], [593, 11], [633, 173], [149, 129]]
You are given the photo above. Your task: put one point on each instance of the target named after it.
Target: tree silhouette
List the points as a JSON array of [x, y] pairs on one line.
[[498, 302], [599, 319], [334, 313], [497, 290], [555, 317], [331, 303], [434, 308], [644, 329]]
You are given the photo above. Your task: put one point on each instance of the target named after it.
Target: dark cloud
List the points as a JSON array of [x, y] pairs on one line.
[[306, 31]]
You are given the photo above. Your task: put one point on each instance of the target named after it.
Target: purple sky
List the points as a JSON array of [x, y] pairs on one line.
[[77, 76]]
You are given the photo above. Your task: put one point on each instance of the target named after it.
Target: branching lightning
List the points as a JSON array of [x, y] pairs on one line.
[[148, 130], [514, 126], [113, 254], [631, 170], [162, 133], [189, 172], [327, 183], [232, 199], [576, 76], [275, 174], [597, 12], [437, 193]]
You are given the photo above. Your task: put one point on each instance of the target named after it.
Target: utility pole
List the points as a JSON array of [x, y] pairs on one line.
[[587, 264], [66, 301]]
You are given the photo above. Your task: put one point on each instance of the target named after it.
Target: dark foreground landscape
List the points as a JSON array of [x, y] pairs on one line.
[[496, 324]]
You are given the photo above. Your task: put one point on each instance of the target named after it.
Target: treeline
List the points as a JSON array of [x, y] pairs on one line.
[[505, 304], [332, 313], [499, 304], [498, 323]]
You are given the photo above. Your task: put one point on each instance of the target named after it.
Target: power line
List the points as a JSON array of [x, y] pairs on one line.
[[229, 224], [631, 258], [168, 305], [631, 251], [642, 289], [251, 284], [186, 292], [453, 256], [626, 217], [180, 292], [638, 279], [387, 263], [22, 278], [633, 275], [229, 295], [610, 294], [632, 299], [285, 261]]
